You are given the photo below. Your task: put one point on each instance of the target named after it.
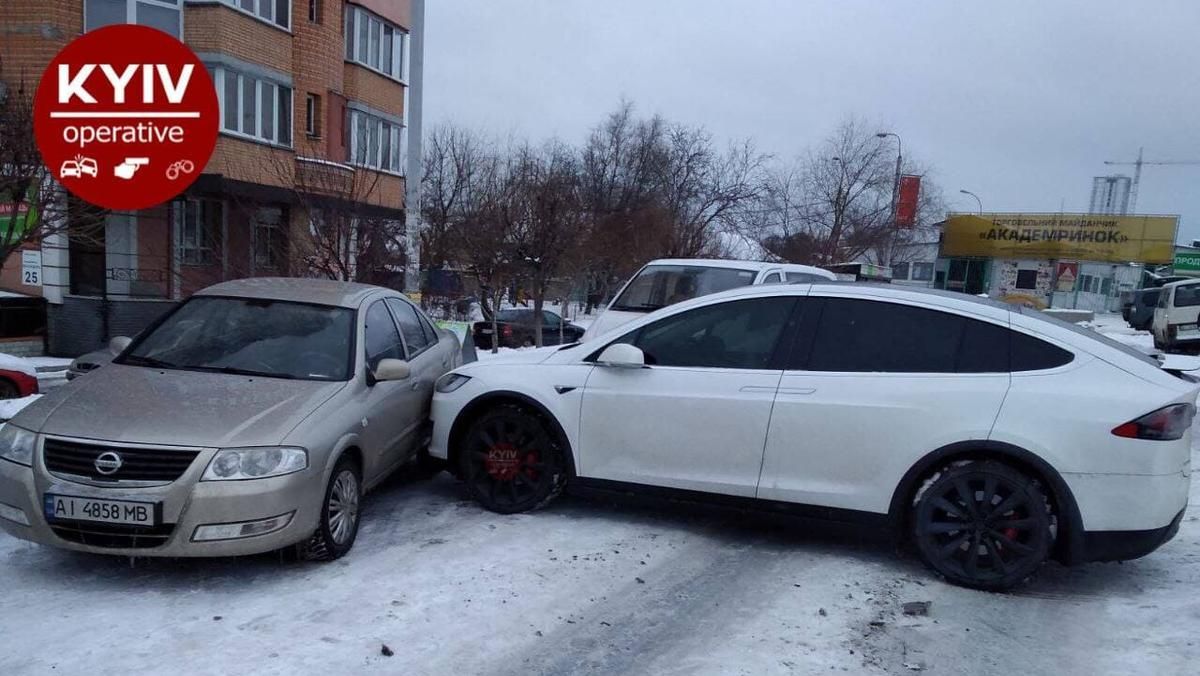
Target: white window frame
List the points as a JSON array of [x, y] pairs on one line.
[[375, 126], [131, 11], [266, 15], [365, 22], [312, 113], [198, 252], [221, 73]]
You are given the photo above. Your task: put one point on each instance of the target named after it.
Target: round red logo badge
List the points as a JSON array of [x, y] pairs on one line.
[[126, 117]]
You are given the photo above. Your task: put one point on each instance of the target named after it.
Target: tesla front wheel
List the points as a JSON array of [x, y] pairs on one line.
[[511, 461], [338, 527], [983, 525]]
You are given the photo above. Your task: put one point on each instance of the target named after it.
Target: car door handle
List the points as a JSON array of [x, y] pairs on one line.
[[748, 389], [797, 390]]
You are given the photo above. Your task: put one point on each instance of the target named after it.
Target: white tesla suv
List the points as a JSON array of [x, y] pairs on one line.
[[989, 437]]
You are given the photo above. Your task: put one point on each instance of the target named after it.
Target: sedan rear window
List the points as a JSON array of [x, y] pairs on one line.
[[251, 336]]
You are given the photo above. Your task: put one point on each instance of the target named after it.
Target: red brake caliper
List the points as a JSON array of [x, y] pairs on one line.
[[503, 461]]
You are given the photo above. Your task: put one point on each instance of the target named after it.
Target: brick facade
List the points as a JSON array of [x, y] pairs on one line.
[[247, 178]]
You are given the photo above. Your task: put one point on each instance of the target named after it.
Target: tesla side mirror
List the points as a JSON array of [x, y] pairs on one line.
[[622, 355], [392, 369], [118, 344]]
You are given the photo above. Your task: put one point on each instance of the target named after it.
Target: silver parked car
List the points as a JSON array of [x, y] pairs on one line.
[[251, 418]]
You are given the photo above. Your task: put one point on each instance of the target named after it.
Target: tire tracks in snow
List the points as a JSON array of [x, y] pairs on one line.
[[683, 597]]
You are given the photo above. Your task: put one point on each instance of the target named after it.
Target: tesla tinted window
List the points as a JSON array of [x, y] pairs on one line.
[[863, 335], [382, 339], [984, 348], [739, 334], [1031, 354]]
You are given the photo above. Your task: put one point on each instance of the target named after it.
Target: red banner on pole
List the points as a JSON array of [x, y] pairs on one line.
[[906, 202]]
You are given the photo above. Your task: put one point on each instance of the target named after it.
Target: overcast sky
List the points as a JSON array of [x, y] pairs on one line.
[[1019, 102]]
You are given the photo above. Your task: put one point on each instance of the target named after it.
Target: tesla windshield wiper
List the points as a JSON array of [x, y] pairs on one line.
[[138, 360], [233, 370]]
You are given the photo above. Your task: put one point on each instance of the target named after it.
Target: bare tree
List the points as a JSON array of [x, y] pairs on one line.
[[33, 205], [457, 165], [703, 188], [545, 217], [835, 204], [351, 234]]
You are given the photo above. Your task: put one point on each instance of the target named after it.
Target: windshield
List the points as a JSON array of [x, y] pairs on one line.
[[250, 336], [661, 285]]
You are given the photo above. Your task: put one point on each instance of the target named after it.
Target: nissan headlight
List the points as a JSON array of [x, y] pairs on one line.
[[16, 444], [450, 382], [237, 464]]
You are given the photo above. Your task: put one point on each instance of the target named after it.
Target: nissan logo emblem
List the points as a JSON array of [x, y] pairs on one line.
[[108, 463]]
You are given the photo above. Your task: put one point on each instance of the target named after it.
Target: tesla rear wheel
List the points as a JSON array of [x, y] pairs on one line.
[[511, 461], [338, 527], [983, 525]]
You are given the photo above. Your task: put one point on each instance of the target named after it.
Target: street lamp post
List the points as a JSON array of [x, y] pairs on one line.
[[896, 180], [977, 200]]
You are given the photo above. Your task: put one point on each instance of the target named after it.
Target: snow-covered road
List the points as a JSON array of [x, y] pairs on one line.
[[586, 586]]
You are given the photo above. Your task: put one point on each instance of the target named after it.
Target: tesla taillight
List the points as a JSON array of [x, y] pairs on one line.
[[507, 330], [1165, 424]]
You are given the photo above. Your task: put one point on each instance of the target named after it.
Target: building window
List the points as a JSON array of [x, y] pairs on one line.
[[900, 271], [376, 43], [1027, 279], [165, 15], [377, 143], [198, 222], [278, 12], [314, 11], [269, 237], [254, 107], [312, 115], [922, 272]]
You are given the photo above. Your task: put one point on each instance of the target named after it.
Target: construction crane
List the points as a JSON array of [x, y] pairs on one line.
[[1137, 174]]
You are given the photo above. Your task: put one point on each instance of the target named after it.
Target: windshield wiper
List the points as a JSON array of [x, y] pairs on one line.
[[233, 370], [644, 307], [138, 360]]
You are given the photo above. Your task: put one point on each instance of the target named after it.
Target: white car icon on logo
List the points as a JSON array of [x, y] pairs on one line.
[[78, 167]]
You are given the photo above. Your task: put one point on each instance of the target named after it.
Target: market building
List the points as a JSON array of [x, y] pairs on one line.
[[1078, 261]]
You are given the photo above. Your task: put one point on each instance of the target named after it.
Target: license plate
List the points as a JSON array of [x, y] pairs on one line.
[[486, 331], [72, 508]]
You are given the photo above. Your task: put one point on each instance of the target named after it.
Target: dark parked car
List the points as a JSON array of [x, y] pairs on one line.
[[517, 329], [1139, 309]]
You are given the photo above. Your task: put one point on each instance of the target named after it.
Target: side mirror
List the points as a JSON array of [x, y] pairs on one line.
[[622, 355], [118, 344], [392, 369]]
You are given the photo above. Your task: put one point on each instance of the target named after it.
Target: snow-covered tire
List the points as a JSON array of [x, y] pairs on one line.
[[982, 524], [512, 461], [338, 526]]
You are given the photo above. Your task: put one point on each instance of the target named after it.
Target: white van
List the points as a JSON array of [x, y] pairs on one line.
[[1176, 316], [667, 281]]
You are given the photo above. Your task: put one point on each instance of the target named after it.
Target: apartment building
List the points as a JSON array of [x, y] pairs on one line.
[[320, 130]]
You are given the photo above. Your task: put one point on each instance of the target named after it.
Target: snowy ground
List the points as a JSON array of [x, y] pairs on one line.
[[588, 586]]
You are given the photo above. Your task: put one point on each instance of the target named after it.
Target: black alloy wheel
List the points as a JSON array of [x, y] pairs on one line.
[[511, 462], [983, 525]]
